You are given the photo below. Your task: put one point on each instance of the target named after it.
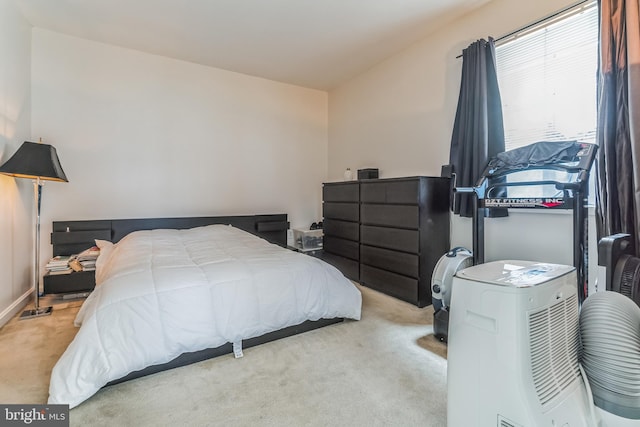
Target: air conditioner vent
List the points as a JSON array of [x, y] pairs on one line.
[[554, 345], [503, 422]]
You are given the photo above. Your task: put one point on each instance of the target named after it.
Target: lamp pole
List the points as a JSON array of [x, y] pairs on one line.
[[37, 194]]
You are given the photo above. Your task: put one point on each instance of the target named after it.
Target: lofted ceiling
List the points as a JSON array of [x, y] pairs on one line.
[[312, 43]]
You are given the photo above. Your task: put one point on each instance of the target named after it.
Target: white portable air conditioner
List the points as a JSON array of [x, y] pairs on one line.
[[513, 347]]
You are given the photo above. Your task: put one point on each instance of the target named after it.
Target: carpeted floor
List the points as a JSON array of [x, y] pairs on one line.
[[384, 370]]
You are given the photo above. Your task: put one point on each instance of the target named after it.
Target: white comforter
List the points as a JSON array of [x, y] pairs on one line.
[[161, 293]]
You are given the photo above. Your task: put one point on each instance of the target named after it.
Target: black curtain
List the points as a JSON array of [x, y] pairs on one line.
[[618, 129], [478, 132]]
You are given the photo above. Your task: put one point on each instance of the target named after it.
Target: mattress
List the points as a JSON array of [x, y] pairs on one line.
[[161, 293]]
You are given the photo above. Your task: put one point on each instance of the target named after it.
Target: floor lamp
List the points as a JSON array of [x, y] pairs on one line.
[[39, 162]]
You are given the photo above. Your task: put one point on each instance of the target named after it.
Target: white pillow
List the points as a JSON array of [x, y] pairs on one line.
[[106, 248]]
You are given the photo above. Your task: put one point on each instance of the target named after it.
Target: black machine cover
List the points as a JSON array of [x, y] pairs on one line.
[[538, 154]]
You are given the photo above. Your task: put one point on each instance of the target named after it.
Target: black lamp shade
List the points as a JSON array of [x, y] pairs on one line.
[[35, 160]]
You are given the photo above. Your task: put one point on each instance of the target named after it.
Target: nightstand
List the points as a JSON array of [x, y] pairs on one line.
[[75, 282]]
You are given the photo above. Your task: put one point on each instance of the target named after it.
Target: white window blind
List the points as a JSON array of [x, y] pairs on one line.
[[547, 79]]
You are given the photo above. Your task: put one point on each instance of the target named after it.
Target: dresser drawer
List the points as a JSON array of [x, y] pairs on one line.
[[393, 284], [341, 192], [398, 262], [342, 229], [341, 210], [390, 238], [401, 192], [390, 215], [342, 247]]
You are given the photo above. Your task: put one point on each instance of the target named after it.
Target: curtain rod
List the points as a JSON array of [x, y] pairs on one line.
[[539, 21]]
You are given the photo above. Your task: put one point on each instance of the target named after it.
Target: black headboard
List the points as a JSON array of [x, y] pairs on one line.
[[70, 237]]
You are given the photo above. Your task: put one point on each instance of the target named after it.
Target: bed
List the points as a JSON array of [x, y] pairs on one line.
[[166, 297]]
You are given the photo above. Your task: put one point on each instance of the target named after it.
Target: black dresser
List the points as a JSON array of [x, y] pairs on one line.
[[341, 224], [402, 230]]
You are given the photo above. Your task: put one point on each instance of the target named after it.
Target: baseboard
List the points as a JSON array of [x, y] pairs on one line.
[[15, 308]]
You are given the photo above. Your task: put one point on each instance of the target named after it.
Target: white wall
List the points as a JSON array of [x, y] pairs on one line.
[[16, 195], [140, 135], [399, 115]]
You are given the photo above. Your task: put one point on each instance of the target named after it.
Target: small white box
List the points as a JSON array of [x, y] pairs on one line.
[[307, 239]]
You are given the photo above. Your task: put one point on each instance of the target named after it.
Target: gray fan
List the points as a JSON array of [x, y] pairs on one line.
[[617, 253], [610, 332]]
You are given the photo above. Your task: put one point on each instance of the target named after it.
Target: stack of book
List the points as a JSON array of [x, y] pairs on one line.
[[59, 265], [88, 257]]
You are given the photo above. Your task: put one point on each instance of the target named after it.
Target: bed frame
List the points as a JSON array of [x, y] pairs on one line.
[[70, 237]]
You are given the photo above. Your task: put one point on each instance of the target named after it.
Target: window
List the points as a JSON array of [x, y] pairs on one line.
[[547, 78]]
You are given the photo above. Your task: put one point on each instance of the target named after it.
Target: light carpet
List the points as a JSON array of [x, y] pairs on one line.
[[385, 370]]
